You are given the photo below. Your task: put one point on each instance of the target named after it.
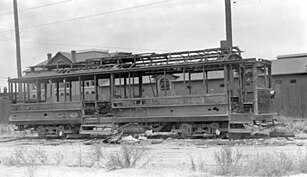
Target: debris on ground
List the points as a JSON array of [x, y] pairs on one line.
[[142, 138], [129, 139], [164, 135], [156, 141], [299, 143], [281, 132], [301, 136], [114, 139]]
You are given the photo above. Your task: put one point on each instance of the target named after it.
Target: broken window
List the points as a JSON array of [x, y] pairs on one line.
[[87, 83], [61, 84], [33, 86], [164, 84]]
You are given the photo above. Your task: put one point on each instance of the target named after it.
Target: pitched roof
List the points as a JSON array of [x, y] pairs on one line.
[[66, 54], [82, 55], [85, 55], [42, 63]]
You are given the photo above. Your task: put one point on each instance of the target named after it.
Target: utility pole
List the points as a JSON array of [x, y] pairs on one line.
[[228, 23], [18, 56]]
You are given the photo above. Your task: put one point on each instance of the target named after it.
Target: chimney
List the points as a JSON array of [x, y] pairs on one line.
[[49, 57], [73, 56]]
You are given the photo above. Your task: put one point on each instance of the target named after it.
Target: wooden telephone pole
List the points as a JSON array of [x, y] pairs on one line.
[[18, 55], [228, 23]]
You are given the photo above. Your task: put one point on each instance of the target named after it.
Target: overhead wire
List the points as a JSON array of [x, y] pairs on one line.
[[36, 7], [88, 16], [94, 45], [83, 17], [83, 45], [94, 15]]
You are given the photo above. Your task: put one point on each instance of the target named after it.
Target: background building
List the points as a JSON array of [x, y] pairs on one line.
[[290, 83]]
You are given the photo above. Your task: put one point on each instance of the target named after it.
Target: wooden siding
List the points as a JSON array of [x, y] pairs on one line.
[[291, 95], [5, 107]]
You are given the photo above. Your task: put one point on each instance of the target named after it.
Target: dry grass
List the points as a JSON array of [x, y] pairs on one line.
[[6, 129], [96, 155], [129, 156], [93, 157], [228, 161], [27, 156], [302, 161], [78, 159], [58, 158], [270, 164], [293, 124], [300, 126], [200, 166]]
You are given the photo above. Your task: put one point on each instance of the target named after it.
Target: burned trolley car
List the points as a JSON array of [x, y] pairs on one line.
[[192, 93]]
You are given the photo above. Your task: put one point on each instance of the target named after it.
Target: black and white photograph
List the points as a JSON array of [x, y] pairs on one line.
[[153, 88]]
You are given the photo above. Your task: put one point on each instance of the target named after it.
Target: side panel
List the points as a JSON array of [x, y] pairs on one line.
[[264, 101], [172, 110], [166, 109], [47, 113]]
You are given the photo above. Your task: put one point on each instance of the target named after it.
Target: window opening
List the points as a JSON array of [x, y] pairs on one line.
[[164, 84]]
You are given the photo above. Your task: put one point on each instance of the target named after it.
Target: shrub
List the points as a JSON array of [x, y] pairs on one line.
[[300, 126], [58, 157], [193, 165], [77, 160], [293, 124], [230, 162], [27, 156], [227, 160], [270, 164], [129, 156], [200, 166], [96, 155], [6, 129]]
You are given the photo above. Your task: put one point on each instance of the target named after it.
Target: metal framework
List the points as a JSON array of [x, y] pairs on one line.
[[154, 91]]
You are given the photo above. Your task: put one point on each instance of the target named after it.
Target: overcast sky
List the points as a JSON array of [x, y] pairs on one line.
[[262, 28]]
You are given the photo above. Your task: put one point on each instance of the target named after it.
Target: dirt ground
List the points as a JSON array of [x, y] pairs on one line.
[[171, 157]]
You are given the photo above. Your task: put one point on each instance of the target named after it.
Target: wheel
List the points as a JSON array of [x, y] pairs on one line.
[[61, 131]]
